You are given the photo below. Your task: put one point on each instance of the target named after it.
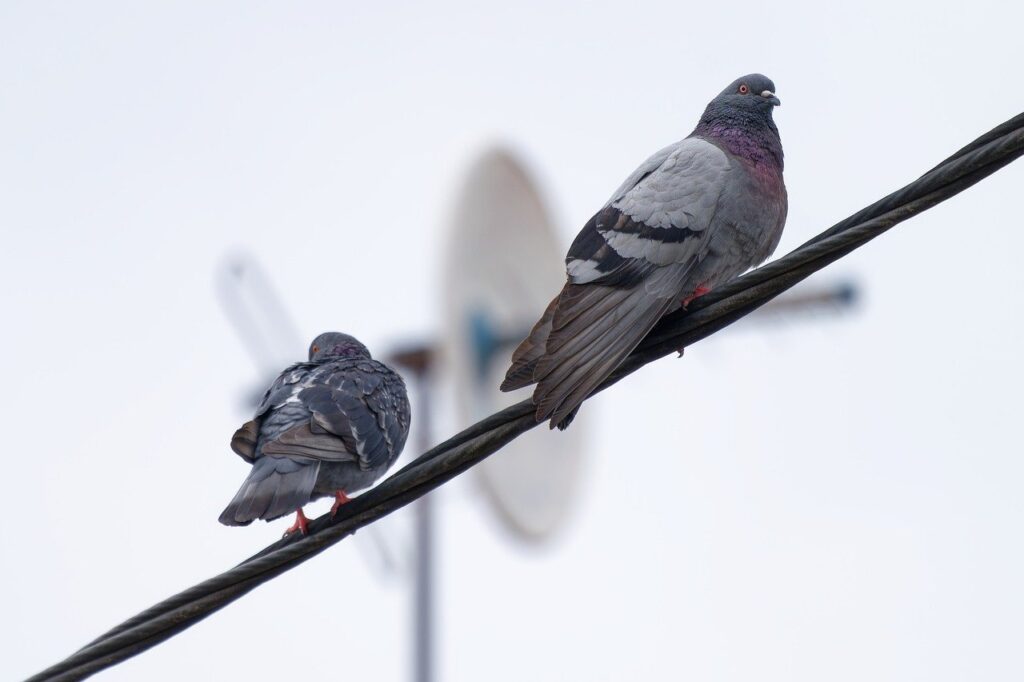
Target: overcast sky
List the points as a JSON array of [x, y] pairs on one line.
[[835, 498]]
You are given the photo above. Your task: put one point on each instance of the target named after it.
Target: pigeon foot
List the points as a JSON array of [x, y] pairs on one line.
[[301, 524], [697, 293], [340, 498]]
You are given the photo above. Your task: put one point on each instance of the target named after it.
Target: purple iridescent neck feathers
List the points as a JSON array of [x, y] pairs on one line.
[[756, 142]]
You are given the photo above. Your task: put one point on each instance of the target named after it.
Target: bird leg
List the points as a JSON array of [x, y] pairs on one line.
[[301, 524], [340, 498], [697, 293]]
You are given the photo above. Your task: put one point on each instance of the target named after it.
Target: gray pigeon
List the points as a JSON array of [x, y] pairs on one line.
[[694, 215], [325, 427]]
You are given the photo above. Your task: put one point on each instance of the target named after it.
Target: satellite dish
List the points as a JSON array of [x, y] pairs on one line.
[[503, 265]]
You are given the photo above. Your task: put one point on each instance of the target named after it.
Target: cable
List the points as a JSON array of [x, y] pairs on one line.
[[706, 315]]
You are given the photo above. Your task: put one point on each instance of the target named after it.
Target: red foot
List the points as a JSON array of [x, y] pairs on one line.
[[301, 524], [340, 498], [697, 293]]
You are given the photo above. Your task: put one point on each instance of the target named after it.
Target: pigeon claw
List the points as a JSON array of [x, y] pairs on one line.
[[697, 293], [340, 498], [301, 524]]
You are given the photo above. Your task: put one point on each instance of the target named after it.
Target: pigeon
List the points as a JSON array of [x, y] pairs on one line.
[[325, 427], [694, 215]]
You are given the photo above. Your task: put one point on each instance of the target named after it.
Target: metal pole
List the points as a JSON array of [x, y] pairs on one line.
[[423, 586]]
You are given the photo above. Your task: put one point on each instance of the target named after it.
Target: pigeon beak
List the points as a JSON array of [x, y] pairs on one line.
[[770, 96]]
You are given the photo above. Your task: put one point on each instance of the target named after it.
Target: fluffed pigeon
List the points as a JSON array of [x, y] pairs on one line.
[[694, 215], [328, 426]]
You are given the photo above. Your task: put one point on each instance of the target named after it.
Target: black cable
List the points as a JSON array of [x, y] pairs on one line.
[[706, 316]]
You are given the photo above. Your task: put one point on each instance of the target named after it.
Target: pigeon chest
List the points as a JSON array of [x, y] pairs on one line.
[[759, 213], [748, 226]]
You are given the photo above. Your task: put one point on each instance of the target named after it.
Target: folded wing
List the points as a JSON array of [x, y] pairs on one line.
[[629, 266], [363, 409]]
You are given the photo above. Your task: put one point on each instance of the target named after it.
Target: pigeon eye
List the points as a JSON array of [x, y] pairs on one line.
[[744, 89], [316, 349]]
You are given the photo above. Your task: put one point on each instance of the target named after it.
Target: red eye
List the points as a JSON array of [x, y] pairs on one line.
[[316, 349], [744, 89]]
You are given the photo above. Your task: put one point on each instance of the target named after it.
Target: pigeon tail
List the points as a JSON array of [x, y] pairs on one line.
[[585, 333], [526, 356], [567, 419], [599, 326], [275, 487]]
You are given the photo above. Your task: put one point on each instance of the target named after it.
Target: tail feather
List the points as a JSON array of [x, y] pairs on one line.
[[577, 369], [584, 334], [579, 332], [530, 351], [275, 487]]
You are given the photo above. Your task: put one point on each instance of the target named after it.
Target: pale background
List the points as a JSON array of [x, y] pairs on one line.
[[834, 500]]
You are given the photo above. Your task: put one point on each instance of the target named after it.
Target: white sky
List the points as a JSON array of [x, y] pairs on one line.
[[834, 500]]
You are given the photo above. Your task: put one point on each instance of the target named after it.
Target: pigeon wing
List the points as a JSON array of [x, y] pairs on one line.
[[364, 408], [244, 440], [284, 387], [628, 267]]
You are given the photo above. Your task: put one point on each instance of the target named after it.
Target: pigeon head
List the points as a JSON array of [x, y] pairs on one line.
[[333, 345], [740, 119], [753, 93]]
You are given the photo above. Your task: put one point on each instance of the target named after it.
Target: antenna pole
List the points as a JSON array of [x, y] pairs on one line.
[[424, 541], [423, 597]]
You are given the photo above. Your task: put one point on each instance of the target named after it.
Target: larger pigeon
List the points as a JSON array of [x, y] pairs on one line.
[[325, 427], [694, 215]]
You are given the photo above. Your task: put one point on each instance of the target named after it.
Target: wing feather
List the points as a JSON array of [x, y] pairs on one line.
[[612, 323], [245, 439], [629, 266], [366, 409]]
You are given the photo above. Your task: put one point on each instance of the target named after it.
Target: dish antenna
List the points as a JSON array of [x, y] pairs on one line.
[[503, 262]]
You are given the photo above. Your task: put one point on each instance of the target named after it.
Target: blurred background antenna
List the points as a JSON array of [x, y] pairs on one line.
[[503, 261], [260, 319], [810, 299]]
